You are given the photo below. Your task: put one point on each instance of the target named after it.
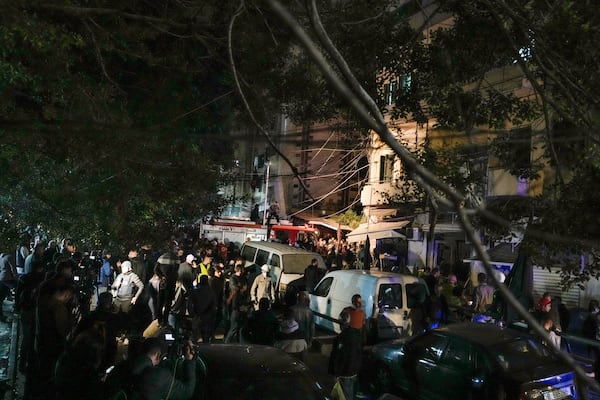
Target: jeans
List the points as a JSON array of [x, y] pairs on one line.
[[347, 383], [236, 321]]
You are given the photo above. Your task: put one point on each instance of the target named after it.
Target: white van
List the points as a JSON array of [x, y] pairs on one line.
[[387, 299], [286, 263]]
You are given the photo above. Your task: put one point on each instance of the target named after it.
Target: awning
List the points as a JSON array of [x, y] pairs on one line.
[[326, 222], [379, 230], [329, 223]]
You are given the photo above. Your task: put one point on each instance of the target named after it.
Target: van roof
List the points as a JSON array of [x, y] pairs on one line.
[[277, 246], [374, 274]]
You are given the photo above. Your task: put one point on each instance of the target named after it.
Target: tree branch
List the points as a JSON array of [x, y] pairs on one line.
[[247, 106]]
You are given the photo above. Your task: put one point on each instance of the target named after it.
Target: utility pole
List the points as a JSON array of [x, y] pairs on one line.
[[268, 163]]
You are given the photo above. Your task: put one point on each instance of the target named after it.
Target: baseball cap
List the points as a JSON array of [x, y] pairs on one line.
[[190, 258], [264, 268]]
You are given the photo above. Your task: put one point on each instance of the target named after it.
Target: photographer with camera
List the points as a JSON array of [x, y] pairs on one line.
[[153, 380]]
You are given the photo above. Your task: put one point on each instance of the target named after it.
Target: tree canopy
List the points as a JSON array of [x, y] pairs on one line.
[[114, 118]]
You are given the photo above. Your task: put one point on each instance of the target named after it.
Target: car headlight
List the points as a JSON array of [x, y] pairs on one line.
[[282, 287]]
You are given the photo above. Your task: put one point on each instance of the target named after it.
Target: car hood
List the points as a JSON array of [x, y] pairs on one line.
[[388, 350]]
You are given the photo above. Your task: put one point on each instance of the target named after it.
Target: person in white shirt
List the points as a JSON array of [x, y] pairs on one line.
[[126, 288]]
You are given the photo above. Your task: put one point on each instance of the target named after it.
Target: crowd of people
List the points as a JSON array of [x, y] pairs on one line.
[[76, 307]]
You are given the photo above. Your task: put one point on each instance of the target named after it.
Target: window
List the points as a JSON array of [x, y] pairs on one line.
[[262, 257], [275, 261], [406, 82], [386, 168], [390, 295], [459, 356], [390, 90], [322, 288], [248, 253], [415, 294], [429, 347]]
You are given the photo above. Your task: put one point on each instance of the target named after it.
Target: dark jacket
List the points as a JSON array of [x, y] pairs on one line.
[[346, 353], [311, 277], [139, 268], [202, 302], [261, 328]]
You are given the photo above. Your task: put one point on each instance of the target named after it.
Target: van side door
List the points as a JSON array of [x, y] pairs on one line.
[[391, 311], [320, 303]]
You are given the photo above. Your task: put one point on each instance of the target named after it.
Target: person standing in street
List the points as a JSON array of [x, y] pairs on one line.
[[237, 304], [305, 317], [186, 272], [105, 275], [346, 353], [484, 294], [127, 287], [8, 281], [166, 269], [21, 254], [216, 281], [311, 275], [202, 306], [262, 287]]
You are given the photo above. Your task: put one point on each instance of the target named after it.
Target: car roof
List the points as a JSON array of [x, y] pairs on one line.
[[248, 359], [373, 274], [279, 247], [482, 334]]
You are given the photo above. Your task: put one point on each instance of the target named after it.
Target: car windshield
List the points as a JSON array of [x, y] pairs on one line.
[[266, 387], [522, 354], [296, 263]]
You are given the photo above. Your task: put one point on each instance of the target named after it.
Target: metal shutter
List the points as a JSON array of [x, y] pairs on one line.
[[549, 281]]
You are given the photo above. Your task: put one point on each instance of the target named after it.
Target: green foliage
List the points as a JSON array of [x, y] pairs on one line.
[[109, 128], [349, 218]]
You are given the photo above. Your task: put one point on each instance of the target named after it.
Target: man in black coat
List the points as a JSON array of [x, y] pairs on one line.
[[202, 306], [346, 357], [311, 275]]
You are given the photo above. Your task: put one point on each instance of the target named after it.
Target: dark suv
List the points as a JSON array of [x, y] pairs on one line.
[[468, 361]]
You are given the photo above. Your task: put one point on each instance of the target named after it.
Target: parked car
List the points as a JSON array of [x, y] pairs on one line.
[[468, 361], [252, 372], [388, 300]]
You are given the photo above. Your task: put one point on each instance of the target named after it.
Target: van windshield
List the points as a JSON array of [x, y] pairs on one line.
[[390, 295], [296, 263]]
